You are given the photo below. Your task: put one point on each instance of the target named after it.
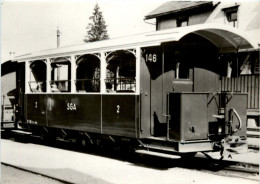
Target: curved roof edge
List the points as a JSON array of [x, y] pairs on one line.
[[229, 34]]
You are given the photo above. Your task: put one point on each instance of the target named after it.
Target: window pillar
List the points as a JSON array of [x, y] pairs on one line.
[[27, 76], [103, 65], [48, 75], [137, 69], [73, 73]]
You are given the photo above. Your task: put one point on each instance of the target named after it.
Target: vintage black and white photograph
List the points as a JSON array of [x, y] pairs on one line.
[[130, 92]]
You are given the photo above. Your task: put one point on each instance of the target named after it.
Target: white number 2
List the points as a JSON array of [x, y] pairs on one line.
[[118, 109]]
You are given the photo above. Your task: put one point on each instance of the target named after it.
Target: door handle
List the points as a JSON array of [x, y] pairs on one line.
[[167, 116]]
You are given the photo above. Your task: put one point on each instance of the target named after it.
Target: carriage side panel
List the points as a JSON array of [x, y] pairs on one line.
[[36, 109], [119, 115], [75, 112]]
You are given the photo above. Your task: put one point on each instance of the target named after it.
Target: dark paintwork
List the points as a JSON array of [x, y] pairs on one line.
[[188, 116], [52, 110], [192, 114], [118, 115], [145, 100], [20, 114], [36, 109], [86, 116]]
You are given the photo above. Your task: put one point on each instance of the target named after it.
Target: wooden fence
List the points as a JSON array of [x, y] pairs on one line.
[[249, 84]]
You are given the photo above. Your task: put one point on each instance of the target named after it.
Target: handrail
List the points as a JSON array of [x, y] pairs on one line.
[[55, 87], [88, 85], [41, 86], [239, 120], [127, 84]]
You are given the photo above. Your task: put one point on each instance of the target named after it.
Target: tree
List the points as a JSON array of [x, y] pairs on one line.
[[97, 29]]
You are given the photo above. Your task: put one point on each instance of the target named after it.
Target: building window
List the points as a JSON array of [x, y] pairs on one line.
[[232, 18], [231, 15], [182, 21]]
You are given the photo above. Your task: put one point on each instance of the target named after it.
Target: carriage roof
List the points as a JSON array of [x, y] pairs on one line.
[[225, 38]]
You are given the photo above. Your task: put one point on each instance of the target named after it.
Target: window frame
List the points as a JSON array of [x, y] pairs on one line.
[[228, 15], [54, 88], [115, 80], [42, 84], [180, 20], [78, 62]]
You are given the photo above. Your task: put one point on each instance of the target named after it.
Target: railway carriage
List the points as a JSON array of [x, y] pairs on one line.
[[158, 92]]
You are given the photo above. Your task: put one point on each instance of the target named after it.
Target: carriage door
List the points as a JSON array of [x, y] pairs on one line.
[[20, 113], [153, 59]]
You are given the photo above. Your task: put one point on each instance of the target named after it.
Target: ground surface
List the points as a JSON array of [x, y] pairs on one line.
[[77, 167]]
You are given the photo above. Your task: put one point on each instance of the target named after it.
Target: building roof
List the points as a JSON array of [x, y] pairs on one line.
[[176, 6]]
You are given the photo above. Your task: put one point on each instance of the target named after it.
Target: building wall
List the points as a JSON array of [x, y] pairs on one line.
[[170, 22], [199, 18], [166, 24], [248, 17]]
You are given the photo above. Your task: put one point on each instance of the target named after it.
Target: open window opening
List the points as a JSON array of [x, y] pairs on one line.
[[183, 69], [37, 80], [88, 74], [60, 75], [121, 72]]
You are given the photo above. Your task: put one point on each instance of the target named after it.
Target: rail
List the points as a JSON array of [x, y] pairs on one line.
[[37, 86], [88, 85], [36, 173], [120, 84], [60, 85]]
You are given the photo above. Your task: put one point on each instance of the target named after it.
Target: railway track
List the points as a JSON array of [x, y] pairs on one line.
[[253, 132], [218, 167], [244, 167], [37, 173], [236, 167]]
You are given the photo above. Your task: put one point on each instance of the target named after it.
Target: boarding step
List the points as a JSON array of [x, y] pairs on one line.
[[158, 154], [22, 132]]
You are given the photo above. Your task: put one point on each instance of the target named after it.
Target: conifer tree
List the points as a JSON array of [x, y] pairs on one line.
[[97, 29]]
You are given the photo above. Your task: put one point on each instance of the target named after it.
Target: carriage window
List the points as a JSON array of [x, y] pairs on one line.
[[182, 71], [121, 71], [60, 75], [37, 81], [88, 74]]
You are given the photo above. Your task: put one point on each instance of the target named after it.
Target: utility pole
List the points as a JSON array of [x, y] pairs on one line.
[[58, 37], [12, 54]]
